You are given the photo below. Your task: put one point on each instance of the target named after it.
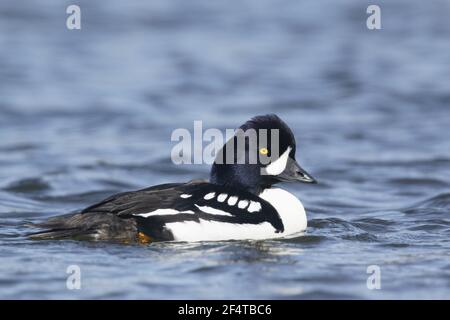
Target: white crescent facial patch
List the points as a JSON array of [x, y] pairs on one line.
[[278, 166]]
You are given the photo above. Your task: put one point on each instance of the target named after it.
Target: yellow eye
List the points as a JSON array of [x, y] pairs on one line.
[[263, 151]]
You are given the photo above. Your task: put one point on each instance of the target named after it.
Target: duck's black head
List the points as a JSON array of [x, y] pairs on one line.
[[260, 154]]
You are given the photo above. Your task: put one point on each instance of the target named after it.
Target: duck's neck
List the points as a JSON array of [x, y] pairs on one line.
[[237, 176], [256, 190]]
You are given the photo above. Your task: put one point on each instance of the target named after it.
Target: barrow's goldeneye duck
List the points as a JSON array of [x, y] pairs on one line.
[[237, 203]]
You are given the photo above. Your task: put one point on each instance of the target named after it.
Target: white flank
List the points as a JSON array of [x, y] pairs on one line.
[[278, 166], [160, 212], [215, 211], [185, 196], [243, 204], [254, 206], [209, 196], [219, 231], [232, 200], [221, 197]]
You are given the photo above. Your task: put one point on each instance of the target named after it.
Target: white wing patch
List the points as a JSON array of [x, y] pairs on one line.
[[160, 212], [209, 196], [185, 196], [278, 166], [232, 200], [221, 197], [243, 204], [214, 211], [254, 206]]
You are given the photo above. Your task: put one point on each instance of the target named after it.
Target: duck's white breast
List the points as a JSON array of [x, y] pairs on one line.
[[289, 208]]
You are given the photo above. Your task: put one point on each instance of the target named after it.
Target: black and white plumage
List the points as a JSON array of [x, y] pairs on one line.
[[238, 203]]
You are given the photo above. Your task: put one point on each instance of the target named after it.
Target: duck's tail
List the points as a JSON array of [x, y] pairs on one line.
[[61, 227], [85, 226], [56, 234]]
